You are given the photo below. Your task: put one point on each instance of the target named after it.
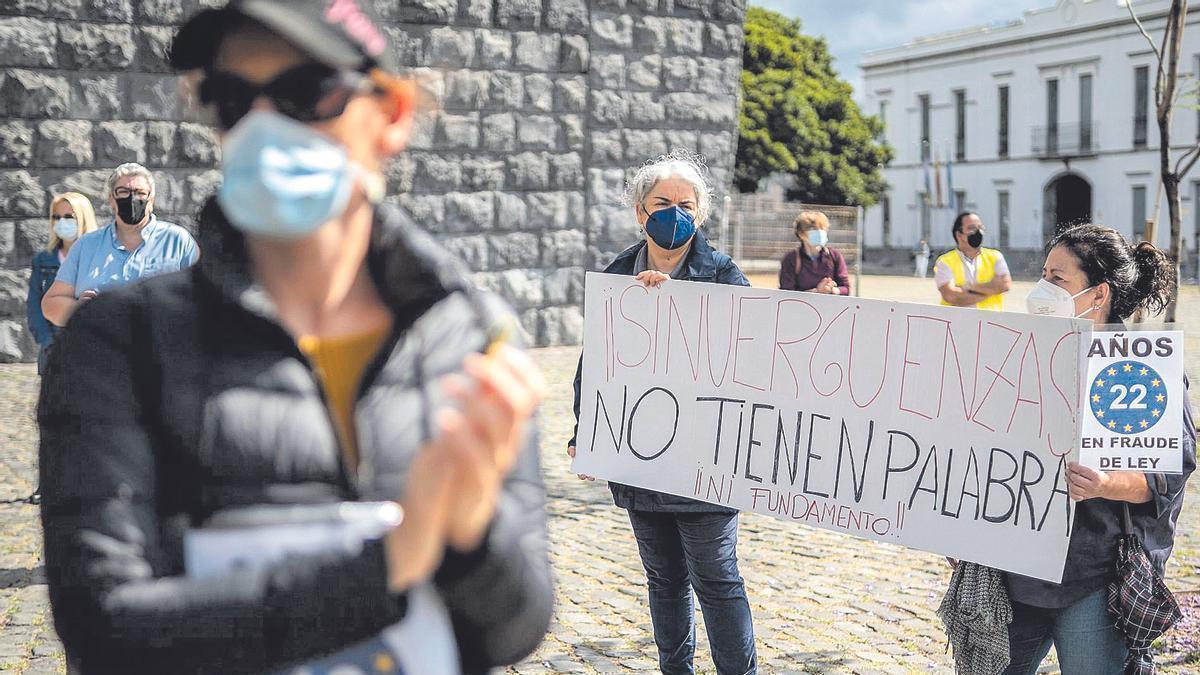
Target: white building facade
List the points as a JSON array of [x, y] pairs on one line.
[[1044, 121]]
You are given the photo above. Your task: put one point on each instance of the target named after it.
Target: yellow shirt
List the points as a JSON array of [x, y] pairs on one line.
[[985, 271], [339, 363]]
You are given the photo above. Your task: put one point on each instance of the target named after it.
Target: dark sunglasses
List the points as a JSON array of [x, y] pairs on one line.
[[309, 92]]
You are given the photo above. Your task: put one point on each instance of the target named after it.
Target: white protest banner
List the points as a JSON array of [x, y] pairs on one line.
[[938, 428], [1134, 391]]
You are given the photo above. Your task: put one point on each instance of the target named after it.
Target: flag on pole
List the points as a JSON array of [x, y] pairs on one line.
[[954, 205], [928, 179], [937, 181]]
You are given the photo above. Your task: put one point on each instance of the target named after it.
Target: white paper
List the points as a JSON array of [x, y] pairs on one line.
[[423, 642], [1134, 389]]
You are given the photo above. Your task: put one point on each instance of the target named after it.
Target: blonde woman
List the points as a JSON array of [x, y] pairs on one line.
[[71, 216]]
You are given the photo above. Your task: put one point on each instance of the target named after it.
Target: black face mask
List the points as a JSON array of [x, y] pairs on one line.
[[975, 239], [131, 210]]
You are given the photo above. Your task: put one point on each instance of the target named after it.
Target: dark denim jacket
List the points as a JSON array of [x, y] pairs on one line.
[[45, 268], [703, 263], [1092, 553]]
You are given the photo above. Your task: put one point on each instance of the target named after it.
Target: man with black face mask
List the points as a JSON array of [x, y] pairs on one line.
[[971, 275], [135, 245]]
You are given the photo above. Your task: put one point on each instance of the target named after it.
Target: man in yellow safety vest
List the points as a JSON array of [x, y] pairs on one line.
[[971, 275]]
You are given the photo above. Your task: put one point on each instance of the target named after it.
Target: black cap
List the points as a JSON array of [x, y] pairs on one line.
[[339, 33]]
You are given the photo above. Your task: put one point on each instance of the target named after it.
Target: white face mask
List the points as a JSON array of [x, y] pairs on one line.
[[1046, 299]]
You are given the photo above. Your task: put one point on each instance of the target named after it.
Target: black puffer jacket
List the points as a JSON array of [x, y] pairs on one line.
[[171, 399]]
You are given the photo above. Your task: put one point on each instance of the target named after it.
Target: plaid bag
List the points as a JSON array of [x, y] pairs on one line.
[[1139, 600]]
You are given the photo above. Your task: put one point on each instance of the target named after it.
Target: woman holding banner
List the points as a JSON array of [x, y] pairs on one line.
[[1091, 272], [684, 543]]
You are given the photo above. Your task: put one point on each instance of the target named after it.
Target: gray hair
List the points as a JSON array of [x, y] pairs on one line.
[[129, 169], [678, 163]]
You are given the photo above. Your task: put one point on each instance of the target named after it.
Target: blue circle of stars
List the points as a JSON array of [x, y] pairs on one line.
[[1121, 384]]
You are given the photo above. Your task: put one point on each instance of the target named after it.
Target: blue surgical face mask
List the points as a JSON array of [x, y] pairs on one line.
[[283, 179], [67, 229], [671, 227], [817, 237]]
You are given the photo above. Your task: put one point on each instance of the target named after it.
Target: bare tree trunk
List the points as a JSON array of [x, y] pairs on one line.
[[1176, 18], [1165, 85]]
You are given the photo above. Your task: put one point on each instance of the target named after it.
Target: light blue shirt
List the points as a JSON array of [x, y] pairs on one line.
[[98, 260]]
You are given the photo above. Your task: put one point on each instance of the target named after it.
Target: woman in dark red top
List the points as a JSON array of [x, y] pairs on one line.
[[813, 266]]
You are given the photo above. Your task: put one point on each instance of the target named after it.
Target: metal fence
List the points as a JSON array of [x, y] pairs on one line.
[[760, 232]]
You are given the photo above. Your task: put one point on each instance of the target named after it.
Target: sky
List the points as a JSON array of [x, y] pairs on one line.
[[852, 27]]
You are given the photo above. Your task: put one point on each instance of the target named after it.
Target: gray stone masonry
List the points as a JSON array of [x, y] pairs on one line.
[[539, 110]]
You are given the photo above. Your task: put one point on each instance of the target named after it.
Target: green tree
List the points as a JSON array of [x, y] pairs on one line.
[[797, 117]]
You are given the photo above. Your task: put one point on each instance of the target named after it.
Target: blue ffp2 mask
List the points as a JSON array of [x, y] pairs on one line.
[[671, 227]]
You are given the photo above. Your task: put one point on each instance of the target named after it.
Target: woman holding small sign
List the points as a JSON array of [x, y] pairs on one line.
[[1092, 273], [684, 543]]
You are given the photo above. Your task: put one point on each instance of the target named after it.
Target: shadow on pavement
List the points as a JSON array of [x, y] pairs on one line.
[[21, 577]]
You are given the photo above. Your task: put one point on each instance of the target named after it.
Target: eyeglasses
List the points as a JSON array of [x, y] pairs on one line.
[[56, 217], [309, 92], [125, 193]]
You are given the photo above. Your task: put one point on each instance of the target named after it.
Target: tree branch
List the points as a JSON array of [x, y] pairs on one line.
[[1172, 49], [1185, 156], [1164, 82], [1138, 23], [1182, 168]]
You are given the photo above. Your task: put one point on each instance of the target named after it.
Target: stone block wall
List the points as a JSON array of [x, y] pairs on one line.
[[539, 111]]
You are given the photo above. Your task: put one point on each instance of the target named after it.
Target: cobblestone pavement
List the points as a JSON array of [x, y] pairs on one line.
[[823, 602], [27, 641]]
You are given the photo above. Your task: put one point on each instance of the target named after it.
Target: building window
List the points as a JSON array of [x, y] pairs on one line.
[[1141, 101], [886, 205], [960, 125], [1139, 212], [924, 105], [960, 200], [1052, 117], [883, 106], [1085, 113], [1002, 218], [1002, 148]]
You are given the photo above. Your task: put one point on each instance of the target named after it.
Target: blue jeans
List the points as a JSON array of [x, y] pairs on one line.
[[682, 551], [1083, 634]]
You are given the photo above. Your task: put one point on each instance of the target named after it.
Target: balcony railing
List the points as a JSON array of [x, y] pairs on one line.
[[1066, 140]]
